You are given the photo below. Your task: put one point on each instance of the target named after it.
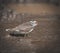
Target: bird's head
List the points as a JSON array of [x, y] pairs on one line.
[[33, 23]]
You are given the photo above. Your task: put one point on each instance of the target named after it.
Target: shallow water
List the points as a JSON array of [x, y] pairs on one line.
[[44, 38]]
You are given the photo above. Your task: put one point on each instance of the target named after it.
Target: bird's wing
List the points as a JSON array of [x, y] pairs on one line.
[[23, 26]]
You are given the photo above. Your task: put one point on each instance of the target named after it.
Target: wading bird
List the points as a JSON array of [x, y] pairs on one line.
[[24, 28]]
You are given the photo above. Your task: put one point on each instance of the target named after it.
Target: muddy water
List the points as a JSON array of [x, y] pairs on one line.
[[43, 39]]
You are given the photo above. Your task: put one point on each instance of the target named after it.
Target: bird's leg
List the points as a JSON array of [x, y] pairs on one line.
[[25, 35], [29, 35]]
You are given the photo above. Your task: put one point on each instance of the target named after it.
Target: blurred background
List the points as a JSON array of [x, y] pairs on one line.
[[45, 38], [56, 2]]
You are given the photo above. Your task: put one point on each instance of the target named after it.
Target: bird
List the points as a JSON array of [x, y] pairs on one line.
[[24, 28]]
